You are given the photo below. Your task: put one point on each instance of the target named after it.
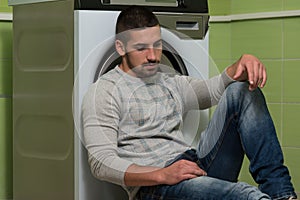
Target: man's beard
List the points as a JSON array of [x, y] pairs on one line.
[[143, 71]]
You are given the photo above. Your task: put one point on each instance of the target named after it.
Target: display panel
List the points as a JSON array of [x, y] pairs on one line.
[[169, 3]]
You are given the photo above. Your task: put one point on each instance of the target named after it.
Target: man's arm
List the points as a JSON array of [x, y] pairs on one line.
[[100, 118]]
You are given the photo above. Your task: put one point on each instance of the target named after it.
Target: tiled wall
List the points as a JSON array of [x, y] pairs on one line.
[[276, 42], [5, 104]]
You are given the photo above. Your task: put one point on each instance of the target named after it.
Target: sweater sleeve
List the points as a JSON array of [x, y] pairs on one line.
[[202, 94], [100, 118]]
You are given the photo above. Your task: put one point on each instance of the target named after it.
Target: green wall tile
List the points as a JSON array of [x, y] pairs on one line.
[[219, 7], [5, 149], [220, 41], [273, 88], [291, 28], [6, 189], [252, 6], [4, 6], [291, 4], [292, 160], [291, 81], [5, 40], [291, 125], [262, 38], [5, 77]]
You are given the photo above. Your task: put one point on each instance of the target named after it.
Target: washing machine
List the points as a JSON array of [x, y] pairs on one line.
[[185, 49]]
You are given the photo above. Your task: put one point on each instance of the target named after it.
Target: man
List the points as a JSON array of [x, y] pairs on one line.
[[132, 118]]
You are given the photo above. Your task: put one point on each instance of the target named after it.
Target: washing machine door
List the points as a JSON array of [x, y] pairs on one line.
[[170, 59]]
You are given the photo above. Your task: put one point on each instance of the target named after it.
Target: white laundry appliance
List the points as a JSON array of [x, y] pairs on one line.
[[60, 48], [185, 48]]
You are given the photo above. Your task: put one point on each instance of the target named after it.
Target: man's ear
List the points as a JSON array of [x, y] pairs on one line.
[[120, 47]]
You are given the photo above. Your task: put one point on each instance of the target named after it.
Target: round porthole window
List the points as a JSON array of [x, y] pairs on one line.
[[169, 58]]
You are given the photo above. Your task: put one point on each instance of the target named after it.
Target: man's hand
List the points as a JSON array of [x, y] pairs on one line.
[[173, 174], [249, 68], [180, 171]]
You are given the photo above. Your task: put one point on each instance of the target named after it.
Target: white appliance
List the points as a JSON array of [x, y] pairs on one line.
[[60, 48], [95, 55]]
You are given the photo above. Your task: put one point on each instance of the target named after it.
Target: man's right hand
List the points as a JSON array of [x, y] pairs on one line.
[[173, 174], [181, 170]]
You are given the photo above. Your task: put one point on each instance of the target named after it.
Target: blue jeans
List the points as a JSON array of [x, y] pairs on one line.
[[241, 125]]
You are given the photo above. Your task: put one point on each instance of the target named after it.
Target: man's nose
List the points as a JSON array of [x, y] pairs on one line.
[[151, 54]]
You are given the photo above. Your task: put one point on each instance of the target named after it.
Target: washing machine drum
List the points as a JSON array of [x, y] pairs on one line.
[[170, 58]]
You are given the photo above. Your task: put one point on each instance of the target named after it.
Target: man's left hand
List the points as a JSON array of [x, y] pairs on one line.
[[249, 68]]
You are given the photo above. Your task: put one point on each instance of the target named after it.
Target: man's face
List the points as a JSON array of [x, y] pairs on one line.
[[143, 52]]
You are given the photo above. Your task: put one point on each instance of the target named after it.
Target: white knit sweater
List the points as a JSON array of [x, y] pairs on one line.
[[130, 120]]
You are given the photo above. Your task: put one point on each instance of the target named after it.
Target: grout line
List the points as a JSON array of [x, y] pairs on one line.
[[280, 59], [20, 2], [266, 59], [250, 16], [5, 96], [282, 83], [284, 103], [5, 16], [291, 147]]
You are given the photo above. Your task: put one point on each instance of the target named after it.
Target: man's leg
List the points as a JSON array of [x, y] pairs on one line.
[[202, 188], [242, 124]]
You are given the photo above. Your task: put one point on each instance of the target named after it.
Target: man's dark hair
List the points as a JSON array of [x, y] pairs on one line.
[[135, 17]]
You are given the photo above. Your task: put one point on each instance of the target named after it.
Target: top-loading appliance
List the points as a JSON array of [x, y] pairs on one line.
[[60, 48]]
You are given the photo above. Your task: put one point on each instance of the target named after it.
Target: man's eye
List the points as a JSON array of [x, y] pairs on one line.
[[157, 45], [141, 49]]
